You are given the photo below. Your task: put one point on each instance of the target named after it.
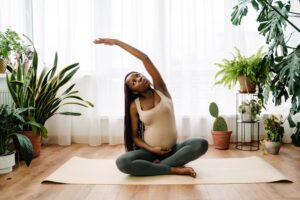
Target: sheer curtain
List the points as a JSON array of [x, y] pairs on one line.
[[184, 39], [16, 14]]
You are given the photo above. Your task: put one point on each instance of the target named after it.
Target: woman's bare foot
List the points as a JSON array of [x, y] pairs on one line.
[[183, 171]]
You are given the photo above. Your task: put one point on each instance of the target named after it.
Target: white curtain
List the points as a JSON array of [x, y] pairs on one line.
[[183, 38]]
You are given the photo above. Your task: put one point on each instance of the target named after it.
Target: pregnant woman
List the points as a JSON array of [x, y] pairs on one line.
[[150, 130]]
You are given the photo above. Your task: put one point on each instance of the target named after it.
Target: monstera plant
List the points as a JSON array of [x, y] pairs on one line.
[[283, 58]]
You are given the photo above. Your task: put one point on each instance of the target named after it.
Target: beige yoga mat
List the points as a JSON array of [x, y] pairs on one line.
[[253, 169]]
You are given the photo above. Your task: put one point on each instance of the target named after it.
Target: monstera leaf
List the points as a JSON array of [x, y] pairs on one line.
[[296, 136], [272, 20], [272, 24], [287, 81], [241, 10], [289, 71]]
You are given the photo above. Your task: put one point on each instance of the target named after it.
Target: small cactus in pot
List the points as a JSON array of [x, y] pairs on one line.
[[221, 135]]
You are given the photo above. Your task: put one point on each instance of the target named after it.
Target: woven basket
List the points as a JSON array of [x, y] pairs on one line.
[[3, 64]]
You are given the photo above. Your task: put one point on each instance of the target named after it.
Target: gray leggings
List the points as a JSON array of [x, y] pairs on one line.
[[140, 162]]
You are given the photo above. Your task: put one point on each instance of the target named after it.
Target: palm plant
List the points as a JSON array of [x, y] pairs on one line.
[[284, 60], [11, 123], [41, 91]]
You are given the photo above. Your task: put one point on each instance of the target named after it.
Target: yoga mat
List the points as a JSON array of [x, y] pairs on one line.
[[252, 169]]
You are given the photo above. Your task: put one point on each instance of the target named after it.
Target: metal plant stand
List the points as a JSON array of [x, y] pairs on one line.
[[247, 131]]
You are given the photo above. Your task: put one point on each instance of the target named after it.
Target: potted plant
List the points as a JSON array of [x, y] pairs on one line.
[[276, 21], [250, 109], [249, 71], [220, 133], [41, 91], [9, 42], [274, 131], [11, 124]]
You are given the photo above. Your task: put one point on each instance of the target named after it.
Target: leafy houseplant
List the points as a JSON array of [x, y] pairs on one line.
[[250, 109], [284, 59], [275, 131], [41, 91], [11, 124], [9, 42], [247, 70], [221, 135]]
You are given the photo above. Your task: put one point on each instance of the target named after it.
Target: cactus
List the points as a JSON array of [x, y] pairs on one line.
[[219, 123]]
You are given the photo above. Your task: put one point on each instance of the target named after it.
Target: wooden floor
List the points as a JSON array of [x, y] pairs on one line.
[[25, 183]]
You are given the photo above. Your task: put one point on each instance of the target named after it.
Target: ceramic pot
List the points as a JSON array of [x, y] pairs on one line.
[[7, 162]]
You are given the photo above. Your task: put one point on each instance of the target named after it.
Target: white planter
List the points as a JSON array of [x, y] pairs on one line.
[[6, 163], [272, 147], [246, 116]]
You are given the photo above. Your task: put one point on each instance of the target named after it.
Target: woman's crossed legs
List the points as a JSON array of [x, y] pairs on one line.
[[140, 162]]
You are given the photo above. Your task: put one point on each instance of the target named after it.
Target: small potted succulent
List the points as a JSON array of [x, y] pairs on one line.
[[274, 131], [250, 109], [220, 133]]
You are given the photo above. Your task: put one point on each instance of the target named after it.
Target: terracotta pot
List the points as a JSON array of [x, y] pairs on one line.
[[221, 139], [246, 86], [36, 141], [3, 64]]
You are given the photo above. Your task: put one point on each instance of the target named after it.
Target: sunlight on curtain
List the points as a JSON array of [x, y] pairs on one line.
[[17, 15], [184, 39]]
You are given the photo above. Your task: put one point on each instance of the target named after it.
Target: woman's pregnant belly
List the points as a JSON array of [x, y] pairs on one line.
[[160, 137]]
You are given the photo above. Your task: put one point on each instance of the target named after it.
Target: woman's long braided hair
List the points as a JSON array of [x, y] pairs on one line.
[[128, 138]]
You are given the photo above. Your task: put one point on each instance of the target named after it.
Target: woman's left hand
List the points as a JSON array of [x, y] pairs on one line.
[[107, 41], [161, 151]]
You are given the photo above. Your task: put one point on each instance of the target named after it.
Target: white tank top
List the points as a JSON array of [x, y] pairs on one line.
[[160, 127]]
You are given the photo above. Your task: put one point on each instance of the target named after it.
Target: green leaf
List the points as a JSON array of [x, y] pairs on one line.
[[35, 124], [44, 132], [25, 148], [69, 89], [240, 10], [54, 65], [69, 113], [289, 70], [291, 121]]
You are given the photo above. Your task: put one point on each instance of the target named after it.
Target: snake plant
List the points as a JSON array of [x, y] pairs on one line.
[[42, 91]]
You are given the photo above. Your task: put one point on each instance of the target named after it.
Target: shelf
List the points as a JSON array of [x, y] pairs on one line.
[[248, 122]]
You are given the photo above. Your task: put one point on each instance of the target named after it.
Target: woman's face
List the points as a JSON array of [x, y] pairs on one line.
[[137, 82]]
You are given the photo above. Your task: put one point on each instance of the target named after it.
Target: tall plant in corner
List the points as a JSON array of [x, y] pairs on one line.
[[283, 59], [41, 91]]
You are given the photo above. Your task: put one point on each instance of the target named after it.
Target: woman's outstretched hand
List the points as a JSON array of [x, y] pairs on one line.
[[107, 41], [161, 151]]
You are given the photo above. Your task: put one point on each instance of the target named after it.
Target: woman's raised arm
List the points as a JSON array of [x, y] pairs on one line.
[[158, 82]]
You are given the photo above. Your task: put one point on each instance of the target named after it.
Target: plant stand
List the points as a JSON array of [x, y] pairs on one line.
[[247, 132]]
